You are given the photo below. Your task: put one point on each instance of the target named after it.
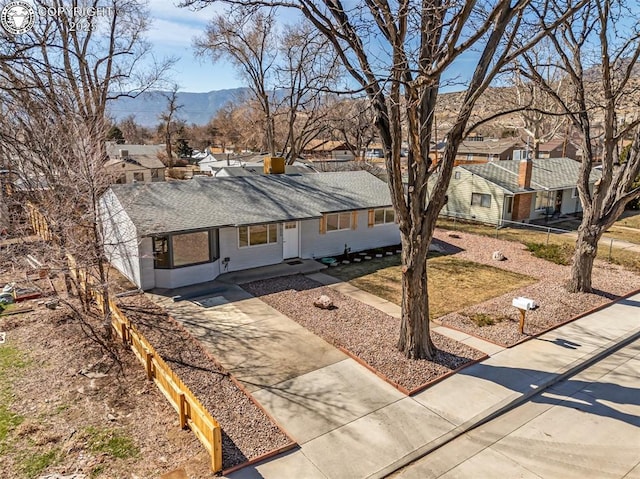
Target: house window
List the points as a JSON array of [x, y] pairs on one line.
[[338, 221], [175, 251], [481, 199], [121, 179], [470, 157], [544, 200], [190, 248], [138, 176], [456, 175], [257, 235], [155, 174], [384, 215], [161, 256]]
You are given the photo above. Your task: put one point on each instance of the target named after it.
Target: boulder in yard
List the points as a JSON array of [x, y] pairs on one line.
[[323, 302], [498, 256]]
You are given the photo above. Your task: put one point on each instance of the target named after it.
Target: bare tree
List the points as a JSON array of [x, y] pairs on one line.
[[352, 120], [308, 69], [597, 50], [169, 121], [55, 85], [247, 39], [398, 55]]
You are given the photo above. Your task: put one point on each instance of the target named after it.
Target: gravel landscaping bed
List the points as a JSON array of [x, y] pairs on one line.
[[247, 432], [363, 330], [556, 305]]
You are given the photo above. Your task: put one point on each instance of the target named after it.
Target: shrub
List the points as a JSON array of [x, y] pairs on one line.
[[556, 253]]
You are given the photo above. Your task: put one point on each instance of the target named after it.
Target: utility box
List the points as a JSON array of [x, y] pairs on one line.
[[273, 165], [524, 303]]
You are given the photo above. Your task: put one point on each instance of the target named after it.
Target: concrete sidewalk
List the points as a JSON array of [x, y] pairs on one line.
[[394, 434]]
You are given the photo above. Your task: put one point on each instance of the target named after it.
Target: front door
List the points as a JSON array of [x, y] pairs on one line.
[[290, 246]]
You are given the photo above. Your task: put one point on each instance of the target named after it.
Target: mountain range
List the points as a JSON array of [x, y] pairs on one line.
[[196, 108]]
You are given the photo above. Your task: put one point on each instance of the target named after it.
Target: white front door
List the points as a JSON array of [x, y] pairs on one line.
[[290, 240]]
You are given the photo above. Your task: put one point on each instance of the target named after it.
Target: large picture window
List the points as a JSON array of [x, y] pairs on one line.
[[185, 249], [257, 235], [481, 199], [190, 248]]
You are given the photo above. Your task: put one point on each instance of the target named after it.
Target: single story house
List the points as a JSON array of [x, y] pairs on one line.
[[558, 148], [515, 190], [329, 150], [167, 235], [135, 163], [484, 150]]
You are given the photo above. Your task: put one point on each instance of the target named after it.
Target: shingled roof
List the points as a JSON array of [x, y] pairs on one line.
[[547, 174], [206, 202]]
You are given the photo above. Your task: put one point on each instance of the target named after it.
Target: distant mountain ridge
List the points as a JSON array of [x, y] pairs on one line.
[[197, 108]]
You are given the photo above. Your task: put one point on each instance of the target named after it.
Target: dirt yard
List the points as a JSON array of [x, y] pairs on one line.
[[67, 408]]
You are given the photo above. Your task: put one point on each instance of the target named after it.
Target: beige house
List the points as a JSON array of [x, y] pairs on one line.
[[135, 163], [515, 190]]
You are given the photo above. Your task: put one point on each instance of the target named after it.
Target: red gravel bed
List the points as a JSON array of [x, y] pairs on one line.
[[247, 432], [556, 305], [362, 330]]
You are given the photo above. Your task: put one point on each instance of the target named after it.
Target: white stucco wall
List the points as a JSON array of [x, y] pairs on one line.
[[316, 245], [120, 238], [249, 257], [177, 277]]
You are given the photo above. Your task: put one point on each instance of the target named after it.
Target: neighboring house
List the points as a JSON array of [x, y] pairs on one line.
[[485, 150], [558, 148], [211, 162], [229, 165], [167, 235], [329, 150], [249, 169], [515, 190], [135, 163]]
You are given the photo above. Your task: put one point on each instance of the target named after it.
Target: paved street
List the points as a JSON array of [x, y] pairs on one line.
[[587, 426]]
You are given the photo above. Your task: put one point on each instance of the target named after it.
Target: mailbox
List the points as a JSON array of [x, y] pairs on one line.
[[524, 303]]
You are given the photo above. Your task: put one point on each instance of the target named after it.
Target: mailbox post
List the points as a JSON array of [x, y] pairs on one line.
[[523, 304]]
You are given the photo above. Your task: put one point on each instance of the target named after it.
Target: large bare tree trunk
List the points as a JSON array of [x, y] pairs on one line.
[[583, 258], [415, 340]]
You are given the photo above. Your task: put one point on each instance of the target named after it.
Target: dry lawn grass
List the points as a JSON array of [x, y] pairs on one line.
[[630, 219], [624, 234], [454, 284], [628, 259]]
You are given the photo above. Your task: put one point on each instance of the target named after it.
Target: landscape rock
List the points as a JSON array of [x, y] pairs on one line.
[[323, 302], [498, 256]]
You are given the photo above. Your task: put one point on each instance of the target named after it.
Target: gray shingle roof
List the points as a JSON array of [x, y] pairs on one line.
[[206, 202], [547, 174]]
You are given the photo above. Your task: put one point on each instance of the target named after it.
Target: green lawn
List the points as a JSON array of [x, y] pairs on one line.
[[453, 283]]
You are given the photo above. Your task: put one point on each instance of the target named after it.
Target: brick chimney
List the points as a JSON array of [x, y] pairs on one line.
[[524, 173]]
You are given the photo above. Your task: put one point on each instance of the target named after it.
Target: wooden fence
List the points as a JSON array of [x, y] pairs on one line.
[[191, 411]]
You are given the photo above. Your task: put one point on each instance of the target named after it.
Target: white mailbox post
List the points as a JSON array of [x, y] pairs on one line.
[[523, 304]]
